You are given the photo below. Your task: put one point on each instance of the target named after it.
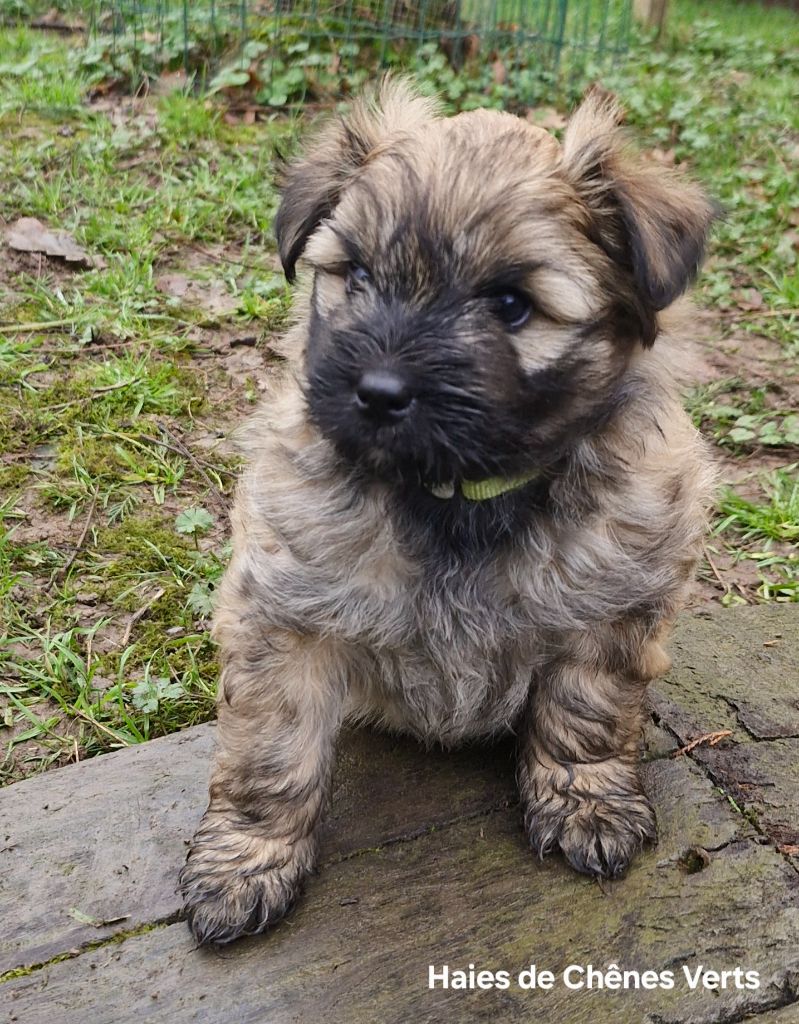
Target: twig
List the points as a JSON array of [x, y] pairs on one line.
[[181, 449], [226, 259], [43, 325], [753, 314], [84, 533], [711, 738], [57, 26], [99, 725], [712, 565], [94, 391], [116, 387], [140, 613], [182, 452]]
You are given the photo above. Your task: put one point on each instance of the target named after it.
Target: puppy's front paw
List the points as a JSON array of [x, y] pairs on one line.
[[237, 882], [598, 828]]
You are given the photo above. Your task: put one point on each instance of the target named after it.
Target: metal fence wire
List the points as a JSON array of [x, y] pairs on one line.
[[289, 48]]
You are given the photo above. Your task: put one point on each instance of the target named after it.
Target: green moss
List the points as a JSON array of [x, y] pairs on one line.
[[24, 972], [145, 543], [14, 474], [112, 940]]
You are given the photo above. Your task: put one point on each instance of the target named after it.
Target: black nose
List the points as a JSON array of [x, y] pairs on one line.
[[383, 395]]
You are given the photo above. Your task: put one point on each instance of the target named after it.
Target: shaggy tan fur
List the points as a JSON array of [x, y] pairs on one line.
[[542, 612]]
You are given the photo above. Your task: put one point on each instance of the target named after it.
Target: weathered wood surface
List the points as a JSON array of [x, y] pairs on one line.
[[99, 839], [740, 671], [104, 839], [424, 863]]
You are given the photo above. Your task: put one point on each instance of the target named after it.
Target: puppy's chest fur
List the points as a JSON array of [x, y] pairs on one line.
[[462, 661], [447, 646], [445, 656]]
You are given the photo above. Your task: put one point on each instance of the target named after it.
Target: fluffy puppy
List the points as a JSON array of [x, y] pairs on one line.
[[474, 504]]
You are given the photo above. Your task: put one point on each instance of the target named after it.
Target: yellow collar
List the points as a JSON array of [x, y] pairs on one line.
[[482, 490]]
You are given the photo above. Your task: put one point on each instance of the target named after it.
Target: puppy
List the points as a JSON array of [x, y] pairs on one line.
[[475, 503]]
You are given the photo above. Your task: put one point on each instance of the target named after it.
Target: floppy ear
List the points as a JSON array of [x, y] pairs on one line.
[[312, 185], [649, 219]]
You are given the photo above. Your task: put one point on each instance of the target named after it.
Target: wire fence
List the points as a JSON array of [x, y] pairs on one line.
[[288, 49]]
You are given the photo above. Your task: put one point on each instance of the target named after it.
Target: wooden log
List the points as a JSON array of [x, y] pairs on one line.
[[424, 862], [360, 945], [94, 849]]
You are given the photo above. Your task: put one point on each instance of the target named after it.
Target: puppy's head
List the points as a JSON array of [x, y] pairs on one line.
[[478, 288]]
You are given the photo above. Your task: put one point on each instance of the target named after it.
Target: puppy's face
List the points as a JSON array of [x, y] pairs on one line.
[[478, 290]]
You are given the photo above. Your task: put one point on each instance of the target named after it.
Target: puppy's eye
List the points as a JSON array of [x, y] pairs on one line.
[[356, 278], [512, 308]]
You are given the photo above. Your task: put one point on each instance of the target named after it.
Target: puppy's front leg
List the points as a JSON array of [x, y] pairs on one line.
[[578, 764], [279, 711]]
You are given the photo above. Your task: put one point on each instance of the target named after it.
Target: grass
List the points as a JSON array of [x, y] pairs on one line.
[[766, 532], [742, 417], [104, 623], [721, 96], [115, 383]]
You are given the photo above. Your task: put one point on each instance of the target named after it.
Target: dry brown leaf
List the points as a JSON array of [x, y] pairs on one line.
[[58, 21], [169, 82], [499, 72], [790, 239], [210, 296], [740, 77], [547, 117], [749, 298], [667, 157], [247, 364], [471, 46], [29, 235]]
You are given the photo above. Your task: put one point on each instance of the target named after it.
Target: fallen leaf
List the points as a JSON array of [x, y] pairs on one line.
[[29, 235], [169, 82], [94, 921], [247, 364], [210, 296], [81, 917], [58, 21], [749, 298], [740, 77], [547, 117], [471, 46], [788, 245], [499, 72], [667, 157]]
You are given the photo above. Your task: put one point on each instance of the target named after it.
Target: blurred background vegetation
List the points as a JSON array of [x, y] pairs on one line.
[[294, 50]]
